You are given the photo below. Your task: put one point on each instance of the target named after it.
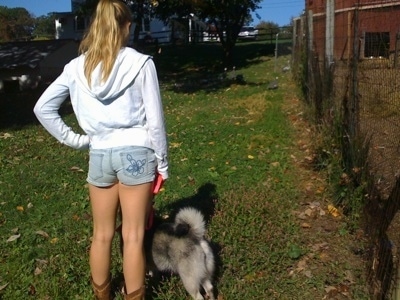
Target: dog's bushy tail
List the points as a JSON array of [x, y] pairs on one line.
[[190, 221]]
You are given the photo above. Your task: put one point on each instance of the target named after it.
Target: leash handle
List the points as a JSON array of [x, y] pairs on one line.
[[158, 183]]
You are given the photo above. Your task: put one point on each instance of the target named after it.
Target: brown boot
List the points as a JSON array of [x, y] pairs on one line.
[[136, 295], [102, 292]]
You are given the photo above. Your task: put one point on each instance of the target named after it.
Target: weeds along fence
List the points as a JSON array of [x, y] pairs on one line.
[[346, 57]]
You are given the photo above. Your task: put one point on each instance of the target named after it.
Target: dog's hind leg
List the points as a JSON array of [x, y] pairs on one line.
[[192, 287], [209, 289], [209, 256]]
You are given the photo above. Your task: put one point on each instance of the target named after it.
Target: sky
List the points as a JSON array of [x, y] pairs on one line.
[[277, 11]]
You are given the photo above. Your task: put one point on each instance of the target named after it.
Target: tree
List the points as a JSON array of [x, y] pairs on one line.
[[140, 9], [229, 16], [267, 30], [16, 24], [44, 27]]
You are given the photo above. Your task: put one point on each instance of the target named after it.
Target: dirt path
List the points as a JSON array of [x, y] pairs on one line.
[[334, 253]]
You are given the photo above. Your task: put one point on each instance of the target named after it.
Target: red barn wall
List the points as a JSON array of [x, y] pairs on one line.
[[373, 16]]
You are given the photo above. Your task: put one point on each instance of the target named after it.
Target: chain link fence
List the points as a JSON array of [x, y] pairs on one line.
[[346, 55]]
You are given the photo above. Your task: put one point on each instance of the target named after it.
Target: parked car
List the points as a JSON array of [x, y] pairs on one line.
[[248, 32]]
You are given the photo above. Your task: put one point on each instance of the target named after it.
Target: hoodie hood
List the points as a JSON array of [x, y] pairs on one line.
[[126, 67]]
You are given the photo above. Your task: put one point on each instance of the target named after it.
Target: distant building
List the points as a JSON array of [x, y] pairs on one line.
[[331, 27]]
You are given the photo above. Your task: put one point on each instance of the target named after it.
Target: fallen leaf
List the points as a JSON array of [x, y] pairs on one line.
[[2, 287], [314, 204], [301, 265], [308, 212], [333, 211], [76, 169], [32, 290], [307, 273], [302, 216], [305, 225], [54, 240], [309, 158], [175, 145], [41, 262], [37, 271], [13, 237], [20, 208], [324, 256], [42, 233], [330, 289], [320, 246], [250, 156], [6, 136]]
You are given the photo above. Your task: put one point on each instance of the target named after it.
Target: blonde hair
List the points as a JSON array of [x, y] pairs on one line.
[[107, 34]]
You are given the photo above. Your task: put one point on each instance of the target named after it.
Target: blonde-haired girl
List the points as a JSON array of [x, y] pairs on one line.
[[115, 95]]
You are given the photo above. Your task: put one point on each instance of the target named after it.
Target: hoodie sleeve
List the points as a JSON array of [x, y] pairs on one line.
[[46, 110], [155, 116]]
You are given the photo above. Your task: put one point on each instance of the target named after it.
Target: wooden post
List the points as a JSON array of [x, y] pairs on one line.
[[310, 30], [329, 31], [396, 56], [348, 36]]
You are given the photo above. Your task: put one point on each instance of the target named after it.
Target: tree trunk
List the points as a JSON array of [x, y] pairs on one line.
[[228, 57]]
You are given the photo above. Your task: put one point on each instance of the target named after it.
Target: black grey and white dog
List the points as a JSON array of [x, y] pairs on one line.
[[181, 248]]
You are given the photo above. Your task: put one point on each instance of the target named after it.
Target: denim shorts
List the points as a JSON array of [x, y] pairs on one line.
[[129, 165]]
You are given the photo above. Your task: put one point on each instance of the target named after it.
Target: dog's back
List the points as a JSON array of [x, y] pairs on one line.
[[180, 247], [174, 241]]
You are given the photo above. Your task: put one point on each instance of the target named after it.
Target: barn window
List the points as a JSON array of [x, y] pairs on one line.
[[377, 44]]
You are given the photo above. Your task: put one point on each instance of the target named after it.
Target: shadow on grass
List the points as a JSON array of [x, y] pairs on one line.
[[193, 68], [16, 108]]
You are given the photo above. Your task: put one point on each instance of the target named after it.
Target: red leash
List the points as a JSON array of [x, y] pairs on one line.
[[158, 183]]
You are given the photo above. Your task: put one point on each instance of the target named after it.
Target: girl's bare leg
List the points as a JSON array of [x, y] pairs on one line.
[[104, 203], [135, 203]]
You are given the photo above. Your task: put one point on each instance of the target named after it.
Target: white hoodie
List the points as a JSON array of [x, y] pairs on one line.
[[126, 110]]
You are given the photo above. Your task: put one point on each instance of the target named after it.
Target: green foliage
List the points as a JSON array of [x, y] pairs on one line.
[[267, 30], [15, 24], [44, 27]]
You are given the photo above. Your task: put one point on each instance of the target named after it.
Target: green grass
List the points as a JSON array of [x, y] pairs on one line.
[[230, 156]]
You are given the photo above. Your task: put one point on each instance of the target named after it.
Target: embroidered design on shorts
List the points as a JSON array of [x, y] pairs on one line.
[[136, 166]]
